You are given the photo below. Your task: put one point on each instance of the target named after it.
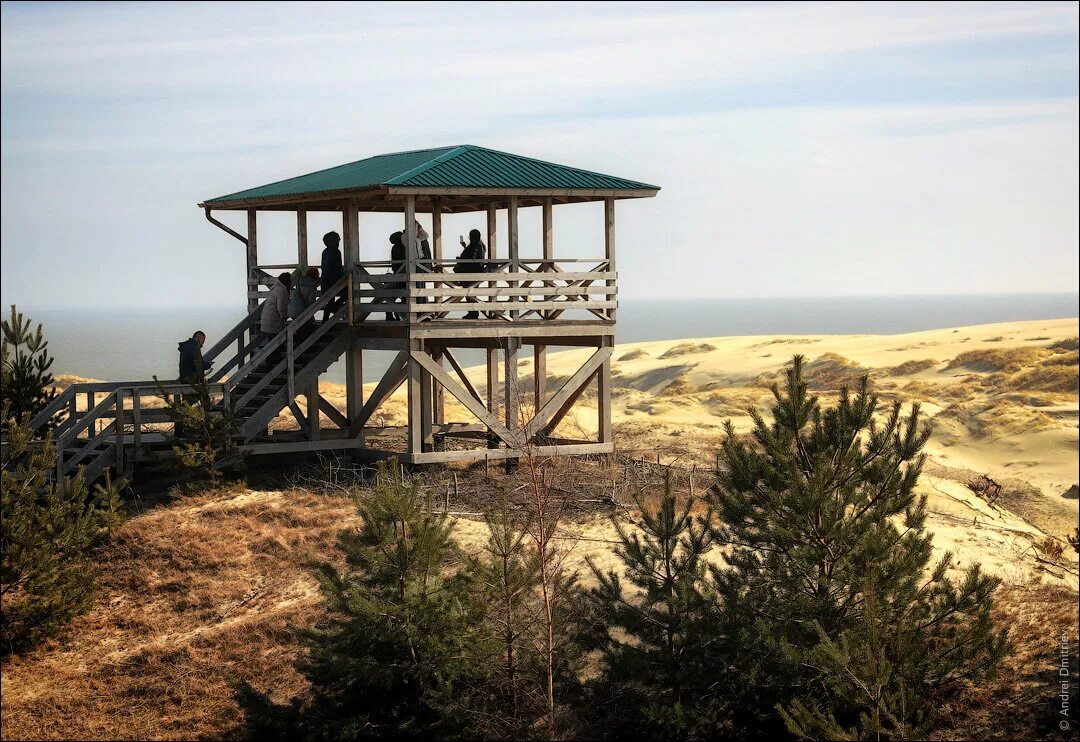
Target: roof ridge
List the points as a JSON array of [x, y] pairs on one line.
[[425, 166], [343, 165], [413, 151], [565, 167]]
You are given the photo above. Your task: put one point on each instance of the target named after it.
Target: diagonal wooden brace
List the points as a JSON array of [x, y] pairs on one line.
[[388, 384], [560, 403], [471, 403]]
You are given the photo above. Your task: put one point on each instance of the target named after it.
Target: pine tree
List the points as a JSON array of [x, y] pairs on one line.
[[835, 615], [508, 701], [206, 431], [658, 639], [47, 533], [25, 362], [397, 646]]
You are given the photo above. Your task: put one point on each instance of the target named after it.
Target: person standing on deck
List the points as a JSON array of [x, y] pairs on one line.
[[471, 260], [422, 250], [332, 270], [397, 265]]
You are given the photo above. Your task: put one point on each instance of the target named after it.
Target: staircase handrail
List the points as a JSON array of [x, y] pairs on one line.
[[275, 342], [232, 335]]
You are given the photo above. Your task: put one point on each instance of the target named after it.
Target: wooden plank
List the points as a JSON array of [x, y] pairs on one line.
[[479, 454], [569, 392], [466, 399], [505, 306], [526, 278], [491, 238]]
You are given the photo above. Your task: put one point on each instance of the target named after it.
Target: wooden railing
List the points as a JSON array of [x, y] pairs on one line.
[[539, 289], [285, 343], [95, 436]]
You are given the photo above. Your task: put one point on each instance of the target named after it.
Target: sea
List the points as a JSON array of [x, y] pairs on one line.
[[138, 343]]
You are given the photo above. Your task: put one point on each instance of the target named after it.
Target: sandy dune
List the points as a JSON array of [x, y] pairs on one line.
[[1002, 400]]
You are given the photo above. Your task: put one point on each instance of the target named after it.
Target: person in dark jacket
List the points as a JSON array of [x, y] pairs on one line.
[[332, 270], [192, 367], [471, 260], [397, 264]]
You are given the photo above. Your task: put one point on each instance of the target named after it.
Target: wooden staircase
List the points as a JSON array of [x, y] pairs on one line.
[[257, 382]]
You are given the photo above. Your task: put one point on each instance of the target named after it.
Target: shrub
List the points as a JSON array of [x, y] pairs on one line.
[[47, 532], [838, 621], [25, 362]]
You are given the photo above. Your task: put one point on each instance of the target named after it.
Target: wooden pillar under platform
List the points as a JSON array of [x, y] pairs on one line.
[[511, 393], [493, 388], [416, 405]]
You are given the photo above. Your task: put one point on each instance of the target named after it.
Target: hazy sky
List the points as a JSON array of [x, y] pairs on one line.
[[831, 149]]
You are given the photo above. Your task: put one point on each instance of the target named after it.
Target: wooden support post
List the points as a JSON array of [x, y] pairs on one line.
[[492, 245], [510, 385], [354, 390], [539, 376], [118, 435], [252, 258], [301, 240], [436, 230], [512, 243], [438, 399], [136, 424], [491, 233], [603, 399], [427, 442], [511, 394], [609, 242], [409, 234], [415, 406], [314, 426], [350, 238], [549, 251], [492, 388]]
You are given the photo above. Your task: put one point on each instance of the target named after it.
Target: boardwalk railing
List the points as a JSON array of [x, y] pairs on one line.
[[538, 290], [115, 415]]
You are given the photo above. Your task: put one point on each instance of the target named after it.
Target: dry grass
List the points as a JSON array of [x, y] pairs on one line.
[[190, 598], [683, 349], [908, 368], [1021, 702], [631, 355], [1009, 360]]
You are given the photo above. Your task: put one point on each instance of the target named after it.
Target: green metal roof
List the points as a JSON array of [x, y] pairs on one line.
[[463, 166]]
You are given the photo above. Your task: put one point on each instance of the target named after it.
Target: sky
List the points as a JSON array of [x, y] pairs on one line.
[[846, 149]]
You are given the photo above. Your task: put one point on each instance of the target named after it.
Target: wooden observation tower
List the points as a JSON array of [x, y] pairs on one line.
[[525, 305]]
